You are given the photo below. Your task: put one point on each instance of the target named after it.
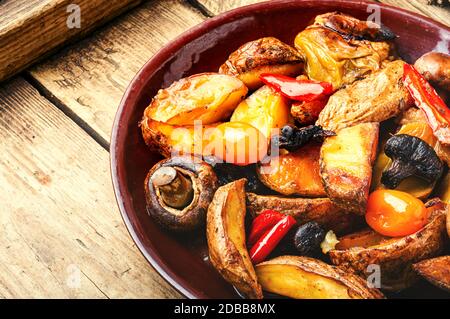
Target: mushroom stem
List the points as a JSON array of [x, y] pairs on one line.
[[176, 190]]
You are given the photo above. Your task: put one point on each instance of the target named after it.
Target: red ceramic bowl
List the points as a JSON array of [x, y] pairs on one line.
[[183, 261]]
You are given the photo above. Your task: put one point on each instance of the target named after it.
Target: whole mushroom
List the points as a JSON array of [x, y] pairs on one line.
[[178, 191]]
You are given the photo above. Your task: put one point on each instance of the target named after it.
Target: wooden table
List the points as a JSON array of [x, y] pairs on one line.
[[62, 234]]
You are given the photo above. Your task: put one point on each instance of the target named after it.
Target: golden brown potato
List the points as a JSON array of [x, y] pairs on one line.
[[376, 98], [435, 67], [395, 256], [294, 173], [436, 271], [412, 185], [265, 55], [340, 56], [306, 113], [307, 278], [346, 166], [321, 210], [209, 97], [233, 142], [225, 233], [265, 109]]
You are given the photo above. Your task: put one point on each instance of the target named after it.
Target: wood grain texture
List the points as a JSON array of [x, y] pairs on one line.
[[31, 28], [419, 6], [91, 77], [62, 235]]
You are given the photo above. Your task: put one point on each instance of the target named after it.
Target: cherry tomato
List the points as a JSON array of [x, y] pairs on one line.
[[394, 213]]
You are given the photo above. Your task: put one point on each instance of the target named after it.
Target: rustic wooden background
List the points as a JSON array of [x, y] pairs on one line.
[[62, 235]]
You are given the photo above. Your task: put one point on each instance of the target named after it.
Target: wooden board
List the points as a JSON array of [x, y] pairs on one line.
[[31, 28], [419, 6], [90, 77], [62, 235]]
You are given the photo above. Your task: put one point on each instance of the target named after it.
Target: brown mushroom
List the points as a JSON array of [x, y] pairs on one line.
[[178, 191]]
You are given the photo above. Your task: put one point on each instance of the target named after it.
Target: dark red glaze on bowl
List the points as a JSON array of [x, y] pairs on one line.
[[183, 261]]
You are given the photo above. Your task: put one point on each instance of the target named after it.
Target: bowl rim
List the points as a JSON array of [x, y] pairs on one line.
[[153, 64]]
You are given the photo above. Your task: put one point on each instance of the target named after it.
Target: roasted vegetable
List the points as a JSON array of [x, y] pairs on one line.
[[376, 98], [320, 210], [306, 113], [346, 166], [395, 256], [294, 173], [412, 185], [329, 243], [237, 143], [265, 55], [307, 278], [268, 242], [262, 223], [410, 156], [414, 116], [443, 189], [435, 67], [292, 138], [297, 89], [338, 50], [394, 213], [207, 97], [308, 237], [265, 109], [227, 173], [436, 271], [352, 28], [225, 232], [178, 191], [426, 98]]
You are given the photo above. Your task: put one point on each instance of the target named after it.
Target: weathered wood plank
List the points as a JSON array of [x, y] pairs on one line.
[[31, 28], [62, 235], [421, 6], [90, 77], [216, 7]]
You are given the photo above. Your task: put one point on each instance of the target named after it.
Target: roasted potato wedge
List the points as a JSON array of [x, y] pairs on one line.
[[294, 173], [346, 166], [436, 271], [308, 278], [265, 55], [378, 97], [395, 256], [320, 210], [225, 232], [265, 109], [207, 97], [236, 143]]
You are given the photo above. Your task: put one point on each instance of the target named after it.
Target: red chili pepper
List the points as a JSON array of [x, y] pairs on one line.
[[299, 90], [426, 98], [262, 223], [271, 238]]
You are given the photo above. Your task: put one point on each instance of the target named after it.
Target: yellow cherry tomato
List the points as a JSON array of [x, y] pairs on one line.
[[394, 213]]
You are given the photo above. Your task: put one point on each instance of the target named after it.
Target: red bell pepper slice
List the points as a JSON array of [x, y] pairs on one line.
[[262, 223], [299, 90], [426, 98], [267, 243]]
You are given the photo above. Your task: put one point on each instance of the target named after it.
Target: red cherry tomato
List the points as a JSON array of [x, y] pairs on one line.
[[394, 213]]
